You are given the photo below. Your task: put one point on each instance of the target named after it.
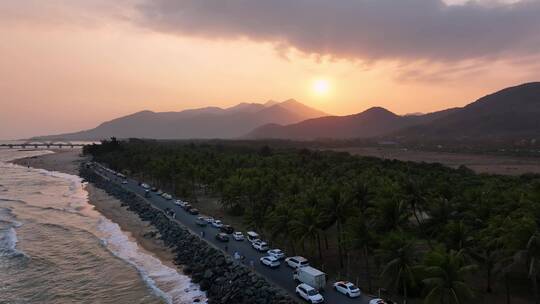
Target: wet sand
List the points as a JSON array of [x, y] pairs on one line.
[[67, 161]]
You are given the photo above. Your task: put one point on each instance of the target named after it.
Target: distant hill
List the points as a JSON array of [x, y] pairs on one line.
[[209, 122], [512, 113], [509, 114], [373, 122]]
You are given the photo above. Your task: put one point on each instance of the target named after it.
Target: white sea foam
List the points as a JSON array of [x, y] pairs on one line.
[[165, 281], [8, 239]]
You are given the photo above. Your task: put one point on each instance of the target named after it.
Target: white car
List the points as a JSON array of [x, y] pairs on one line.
[[296, 262], [209, 219], [145, 186], [309, 293], [178, 202], [238, 236], [270, 261], [377, 301], [347, 288], [124, 182], [277, 253], [260, 246], [217, 224], [167, 196]]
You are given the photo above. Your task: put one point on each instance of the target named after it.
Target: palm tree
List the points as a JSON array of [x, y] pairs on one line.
[[391, 214], [445, 277], [533, 262], [361, 236], [400, 259], [336, 212], [417, 202], [456, 235], [360, 195], [307, 226], [280, 223]]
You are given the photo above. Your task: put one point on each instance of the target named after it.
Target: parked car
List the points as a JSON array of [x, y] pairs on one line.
[[227, 229], [270, 261], [260, 246], [347, 288], [178, 202], [209, 219], [201, 222], [296, 261], [170, 212], [145, 186], [167, 196], [146, 193], [154, 189], [187, 207], [238, 236], [217, 224], [311, 276], [222, 237], [277, 253], [124, 182], [159, 192], [252, 236], [309, 293], [193, 211], [378, 301]]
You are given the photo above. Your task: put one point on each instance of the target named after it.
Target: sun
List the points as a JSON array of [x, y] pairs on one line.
[[321, 87]]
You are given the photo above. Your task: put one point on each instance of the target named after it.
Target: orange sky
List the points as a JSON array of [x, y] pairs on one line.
[[69, 69]]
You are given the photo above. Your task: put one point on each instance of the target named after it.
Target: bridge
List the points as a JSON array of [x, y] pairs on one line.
[[45, 144]]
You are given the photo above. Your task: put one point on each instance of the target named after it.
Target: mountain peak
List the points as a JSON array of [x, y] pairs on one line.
[[270, 103], [377, 111], [300, 108]]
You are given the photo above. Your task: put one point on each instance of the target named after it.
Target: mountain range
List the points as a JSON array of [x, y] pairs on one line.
[[512, 113], [208, 122]]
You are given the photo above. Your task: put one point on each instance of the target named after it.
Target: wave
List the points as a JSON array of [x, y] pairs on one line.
[[164, 281], [8, 236], [8, 243]]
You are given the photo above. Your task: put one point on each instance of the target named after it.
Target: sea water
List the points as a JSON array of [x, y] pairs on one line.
[[56, 248]]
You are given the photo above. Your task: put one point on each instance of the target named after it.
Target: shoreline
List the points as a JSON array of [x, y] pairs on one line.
[[139, 231]]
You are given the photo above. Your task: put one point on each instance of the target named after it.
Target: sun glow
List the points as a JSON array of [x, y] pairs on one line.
[[321, 87]]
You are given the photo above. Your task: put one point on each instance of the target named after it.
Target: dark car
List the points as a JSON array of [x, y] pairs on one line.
[[187, 207], [226, 229], [194, 211], [222, 237], [154, 189], [146, 193]]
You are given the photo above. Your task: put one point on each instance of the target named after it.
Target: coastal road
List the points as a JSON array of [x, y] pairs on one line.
[[282, 276]]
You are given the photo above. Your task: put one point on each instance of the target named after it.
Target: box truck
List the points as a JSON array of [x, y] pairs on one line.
[[311, 276]]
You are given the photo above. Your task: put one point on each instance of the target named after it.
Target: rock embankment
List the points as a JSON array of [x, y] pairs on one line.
[[223, 280]]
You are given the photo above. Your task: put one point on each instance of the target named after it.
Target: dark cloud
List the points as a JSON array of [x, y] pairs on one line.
[[363, 29]]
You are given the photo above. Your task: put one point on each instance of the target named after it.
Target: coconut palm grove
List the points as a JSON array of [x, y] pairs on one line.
[[420, 232]]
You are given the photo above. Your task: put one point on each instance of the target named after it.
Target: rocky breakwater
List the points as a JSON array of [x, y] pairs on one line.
[[223, 279]]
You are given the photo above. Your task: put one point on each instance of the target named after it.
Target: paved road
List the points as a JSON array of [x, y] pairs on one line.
[[281, 276]]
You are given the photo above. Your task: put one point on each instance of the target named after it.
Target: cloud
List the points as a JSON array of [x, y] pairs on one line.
[[85, 13], [430, 30]]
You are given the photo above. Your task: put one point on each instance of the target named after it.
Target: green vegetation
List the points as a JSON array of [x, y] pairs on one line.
[[419, 230]]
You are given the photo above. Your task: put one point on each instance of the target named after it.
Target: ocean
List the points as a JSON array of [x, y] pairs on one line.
[[56, 248]]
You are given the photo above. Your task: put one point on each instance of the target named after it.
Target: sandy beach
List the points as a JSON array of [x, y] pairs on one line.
[[67, 161]]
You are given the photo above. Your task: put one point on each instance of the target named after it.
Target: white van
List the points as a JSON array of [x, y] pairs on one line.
[[252, 236]]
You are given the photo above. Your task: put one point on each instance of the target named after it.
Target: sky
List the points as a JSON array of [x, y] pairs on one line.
[[70, 65]]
